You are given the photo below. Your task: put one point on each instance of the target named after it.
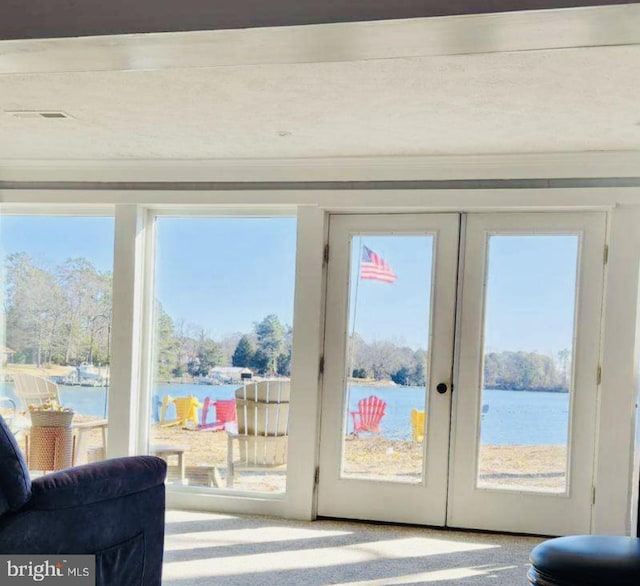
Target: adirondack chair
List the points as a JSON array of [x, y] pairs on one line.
[[417, 424], [37, 390], [369, 414], [186, 411], [34, 390], [225, 414], [263, 427]]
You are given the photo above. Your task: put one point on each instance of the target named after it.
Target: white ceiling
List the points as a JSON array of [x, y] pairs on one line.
[[560, 100]]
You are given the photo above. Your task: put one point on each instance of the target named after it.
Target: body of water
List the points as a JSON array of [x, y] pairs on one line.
[[512, 418]]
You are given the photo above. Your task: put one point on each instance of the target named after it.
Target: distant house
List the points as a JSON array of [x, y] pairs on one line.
[[6, 354], [229, 374]]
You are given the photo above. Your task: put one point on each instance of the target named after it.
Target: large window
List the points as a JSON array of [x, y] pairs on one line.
[[222, 336], [57, 274]]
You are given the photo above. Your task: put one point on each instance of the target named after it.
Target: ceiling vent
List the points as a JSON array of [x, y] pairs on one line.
[[36, 114]]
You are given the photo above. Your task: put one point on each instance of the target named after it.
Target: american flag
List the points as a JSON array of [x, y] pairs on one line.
[[374, 268]]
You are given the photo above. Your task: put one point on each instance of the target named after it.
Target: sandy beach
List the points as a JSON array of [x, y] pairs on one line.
[[205, 453], [529, 467]]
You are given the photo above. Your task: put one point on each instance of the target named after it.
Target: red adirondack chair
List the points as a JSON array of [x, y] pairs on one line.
[[225, 413], [367, 417]]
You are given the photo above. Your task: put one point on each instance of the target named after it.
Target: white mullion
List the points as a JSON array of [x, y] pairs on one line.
[[616, 472], [147, 338], [125, 331], [308, 341]]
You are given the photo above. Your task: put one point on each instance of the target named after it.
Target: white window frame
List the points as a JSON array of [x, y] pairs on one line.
[[263, 503], [616, 479]]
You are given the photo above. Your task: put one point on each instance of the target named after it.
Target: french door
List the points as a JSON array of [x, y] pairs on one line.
[[359, 478], [461, 359]]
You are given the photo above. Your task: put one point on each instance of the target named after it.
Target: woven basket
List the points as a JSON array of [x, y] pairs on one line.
[[50, 448], [51, 418]]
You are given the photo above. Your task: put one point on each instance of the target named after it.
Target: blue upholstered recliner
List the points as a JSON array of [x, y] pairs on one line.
[[113, 509]]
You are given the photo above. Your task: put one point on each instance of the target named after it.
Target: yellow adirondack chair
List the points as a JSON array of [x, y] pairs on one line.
[[417, 424], [186, 410]]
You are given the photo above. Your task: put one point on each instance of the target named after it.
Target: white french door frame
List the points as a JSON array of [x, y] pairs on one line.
[[341, 495], [527, 511], [460, 502]]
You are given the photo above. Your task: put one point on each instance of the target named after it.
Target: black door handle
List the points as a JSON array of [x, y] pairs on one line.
[[442, 388]]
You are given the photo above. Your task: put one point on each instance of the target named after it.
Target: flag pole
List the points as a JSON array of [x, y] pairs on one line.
[[353, 333]]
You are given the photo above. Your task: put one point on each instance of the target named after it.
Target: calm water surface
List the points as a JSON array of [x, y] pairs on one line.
[[513, 417]]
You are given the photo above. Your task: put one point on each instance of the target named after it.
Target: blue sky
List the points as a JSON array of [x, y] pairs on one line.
[[50, 240], [531, 293], [398, 312], [224, 274]]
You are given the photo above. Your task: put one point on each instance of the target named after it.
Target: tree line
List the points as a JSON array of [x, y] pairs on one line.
[[527, 371], [507, 370], [386, 361], [186, 349], [63, 316]]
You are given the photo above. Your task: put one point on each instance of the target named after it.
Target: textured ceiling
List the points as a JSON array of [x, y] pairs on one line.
[[524, 102]]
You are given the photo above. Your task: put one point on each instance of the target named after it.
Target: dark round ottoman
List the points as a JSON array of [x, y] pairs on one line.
[[586, 560]]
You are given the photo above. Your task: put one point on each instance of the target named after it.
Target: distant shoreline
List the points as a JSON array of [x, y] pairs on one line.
[[535, 390], [388, 383], [57, 370]]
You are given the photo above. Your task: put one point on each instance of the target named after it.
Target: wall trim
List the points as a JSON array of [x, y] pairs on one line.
[[590, 165], [331, 200], [321, 185]]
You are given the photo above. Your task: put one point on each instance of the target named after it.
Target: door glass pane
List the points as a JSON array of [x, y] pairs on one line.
[[528, 358], [57, 274], [387, 357], [223, 324]]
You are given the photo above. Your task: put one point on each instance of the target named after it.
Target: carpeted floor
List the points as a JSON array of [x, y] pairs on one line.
[[231, 550]]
